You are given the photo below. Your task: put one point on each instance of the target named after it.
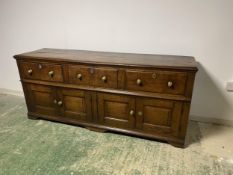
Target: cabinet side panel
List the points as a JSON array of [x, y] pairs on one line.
[[184, 120], [190, 84]]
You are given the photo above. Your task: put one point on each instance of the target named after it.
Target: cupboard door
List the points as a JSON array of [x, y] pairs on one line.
[[41, 99], [116, 110], [75, 104], [157, 116]]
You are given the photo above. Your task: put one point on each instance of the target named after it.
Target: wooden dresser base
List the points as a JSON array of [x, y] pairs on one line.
[[141, 95]]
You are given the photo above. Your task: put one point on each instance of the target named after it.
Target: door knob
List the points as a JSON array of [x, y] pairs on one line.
[[170, 84], [30, 71], [140, 113], [131, 112], [59, 103], [104, 78], [51, 73], [139, 82], [79, 76], [154, 75]]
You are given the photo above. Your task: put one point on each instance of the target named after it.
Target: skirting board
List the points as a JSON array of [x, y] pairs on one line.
[[192, 117], [211, 120]]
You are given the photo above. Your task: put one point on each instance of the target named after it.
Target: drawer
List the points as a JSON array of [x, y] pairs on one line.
[[93, 76], [105, 77], [169, 82], [81, 75], [41, 71]]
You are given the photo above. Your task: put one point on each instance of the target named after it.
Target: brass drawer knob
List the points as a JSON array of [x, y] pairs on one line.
[[51, 73], [30, 71], [104, 79], [55, 101], [139, 82], [131, 112], [79, 76], [59, 103], [154, 75], [140, 113], [170, 84]]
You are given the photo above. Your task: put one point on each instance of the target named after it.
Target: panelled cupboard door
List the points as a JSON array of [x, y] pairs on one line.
[[158, 116], [41, 99], [75, 104], [116, 110]]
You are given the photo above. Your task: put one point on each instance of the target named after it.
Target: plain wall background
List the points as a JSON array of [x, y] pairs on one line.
[[203, 29]]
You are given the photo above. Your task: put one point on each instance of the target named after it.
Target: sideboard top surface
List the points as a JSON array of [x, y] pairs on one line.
[[112, 58]]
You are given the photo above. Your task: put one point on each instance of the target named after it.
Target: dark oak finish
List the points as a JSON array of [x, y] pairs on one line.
[[85, 75], [111, 58], [105, 77], [156, 81], [76, 104], [93, 76], [41, 71], [138, 94], [41, 99], [115, 110], [167, 114]]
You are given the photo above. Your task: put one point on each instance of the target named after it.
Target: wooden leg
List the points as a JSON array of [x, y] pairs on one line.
[[96, 129]]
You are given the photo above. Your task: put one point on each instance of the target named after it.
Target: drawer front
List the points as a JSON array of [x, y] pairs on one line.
[[28, 70], [156, 81], [81, 75], [105, 77], [41, 71], [92, 76]]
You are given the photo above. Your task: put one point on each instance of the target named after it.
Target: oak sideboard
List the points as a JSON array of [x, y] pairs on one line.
[[141, 95]]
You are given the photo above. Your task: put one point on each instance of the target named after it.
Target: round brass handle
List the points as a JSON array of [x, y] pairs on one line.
[[131, 112], [139, 82], [104, 78], [59, 103], [154, 75], [51, 73], [170, 84], [40, 66], [30, 71], [79, 76], [55, 101], [140, 113]]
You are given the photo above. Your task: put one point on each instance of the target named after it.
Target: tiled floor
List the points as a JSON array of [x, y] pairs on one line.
[[33, 147]]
